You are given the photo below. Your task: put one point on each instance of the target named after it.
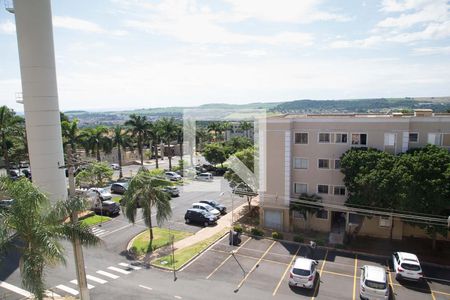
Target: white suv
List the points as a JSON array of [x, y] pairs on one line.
[[303, 273], [208, 208], [373, 283], [407, 266]]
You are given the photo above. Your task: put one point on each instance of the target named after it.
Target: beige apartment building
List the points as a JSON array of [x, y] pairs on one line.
[[302, 156]]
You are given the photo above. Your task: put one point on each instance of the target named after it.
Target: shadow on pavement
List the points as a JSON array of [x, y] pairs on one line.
[[308, 292]]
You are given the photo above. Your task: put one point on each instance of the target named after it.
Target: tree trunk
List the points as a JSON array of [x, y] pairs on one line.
[[181, 150], [98, 153], [5, 153], [155, 146], [392, 228], [119, 156], [141, 154], [249, 201], [150, 228], [169, 156]]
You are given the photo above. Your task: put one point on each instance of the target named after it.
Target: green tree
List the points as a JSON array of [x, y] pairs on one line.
[[70, 133], [95, 174], [40, 227], [10, 126], [307, 210], [139, 127], [121, 140], [246, 127], [145, 190], [96, 140], [238, 143], [215, 153], [168, 128], [216, 128]]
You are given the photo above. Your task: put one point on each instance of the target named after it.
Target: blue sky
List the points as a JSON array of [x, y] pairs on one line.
[[117, 54]]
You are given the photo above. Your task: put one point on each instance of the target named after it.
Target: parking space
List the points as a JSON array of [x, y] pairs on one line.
[[264, 265]]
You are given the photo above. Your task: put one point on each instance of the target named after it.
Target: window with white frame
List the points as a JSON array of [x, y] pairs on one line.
[[301, 138], [413, 137], [359, 139], [300, 188], [389, 139], [301, 163], [323, 163], [324, 137], [339, 190], [322, 189], [385, 221], [322, 214], [434, 138], [340, 138], [337, 164]]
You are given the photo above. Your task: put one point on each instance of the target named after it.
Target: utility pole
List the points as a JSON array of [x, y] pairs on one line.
[[77, 249]]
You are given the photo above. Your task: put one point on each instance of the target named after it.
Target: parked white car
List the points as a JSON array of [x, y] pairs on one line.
[[373, 283], [208, 208], [204, 177], [115, 166], [172, 176], [407, 266], [103, 194], [303, 273]]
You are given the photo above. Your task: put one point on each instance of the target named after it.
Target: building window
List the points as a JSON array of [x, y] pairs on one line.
[[340, 138], [413, 137], [446, 139], [385, 221], [324, 137], [359, 139], [339, 190], [324, 163], [322, 214], [322, 189], [434, 138], [300, 188], [301, 138], [389, 139], [297, 214], [337, 164], [300, 163]]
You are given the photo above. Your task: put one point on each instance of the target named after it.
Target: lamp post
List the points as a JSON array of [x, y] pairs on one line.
[[232, 210]]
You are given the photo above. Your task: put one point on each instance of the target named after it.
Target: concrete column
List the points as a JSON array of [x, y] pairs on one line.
[[40, 95]]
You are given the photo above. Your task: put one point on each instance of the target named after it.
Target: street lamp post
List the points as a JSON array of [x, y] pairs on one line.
[[232, 211]]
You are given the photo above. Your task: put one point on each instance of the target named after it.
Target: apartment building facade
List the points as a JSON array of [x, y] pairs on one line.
[[303, 156]]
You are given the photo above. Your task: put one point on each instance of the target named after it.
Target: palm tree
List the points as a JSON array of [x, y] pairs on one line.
[[179, 135], [153, 135], [245, 126], [169, 132], [216, 128], [145, 190], [9, 127], [120, 139], [40, 228], [139, 127], [96, 140], [70, 133], [202, 136], [225, 126]]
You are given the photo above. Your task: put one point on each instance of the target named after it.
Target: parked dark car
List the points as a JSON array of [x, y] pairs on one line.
[[199, 216], [216, 205], [27, 173], [15, 174], [109, 208], [119, 187], [173, 191], [6, 204]]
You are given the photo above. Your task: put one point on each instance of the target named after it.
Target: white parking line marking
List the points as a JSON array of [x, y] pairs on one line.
[[130, 266], [88, 285], [112, 276], [145, 287], [96, 279], [15, 289], [51, 294], [119, 270], [178, 297], [126, 226], [67, 289]]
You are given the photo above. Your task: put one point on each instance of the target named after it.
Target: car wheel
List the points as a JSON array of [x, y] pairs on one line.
[[187, 220], [206, 224], [398, 277]]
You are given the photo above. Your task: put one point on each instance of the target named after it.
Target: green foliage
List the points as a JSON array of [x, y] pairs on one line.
[[215, 153], [277, 235], [237, 143], [139, 129], [13, 144], [95, 174], [95, 140], [306, 210], [299, 239], [256, 232], [238, 228]]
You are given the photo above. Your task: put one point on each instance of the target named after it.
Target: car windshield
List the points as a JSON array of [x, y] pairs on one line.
[[301, 272], [101, 191], [209, 207], [410, 267], [204, 213], [376, 285]]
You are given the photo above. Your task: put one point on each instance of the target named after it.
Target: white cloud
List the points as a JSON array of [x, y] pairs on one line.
[[76, 24], [432, 51], [402, 5], [8, 27]]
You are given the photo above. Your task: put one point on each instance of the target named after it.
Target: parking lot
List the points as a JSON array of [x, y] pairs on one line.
[[260, 269]]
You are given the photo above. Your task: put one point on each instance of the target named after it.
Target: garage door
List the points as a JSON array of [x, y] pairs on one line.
[[273, 219]]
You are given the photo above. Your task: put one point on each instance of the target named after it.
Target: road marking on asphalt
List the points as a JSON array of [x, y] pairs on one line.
[[119, 270], [96, 279], [67, 289], [145, 287], [177, 297], [126, 226], [354, 276], [251, 257], [88, 285], [112, 276], [339, 274], [432, 295], [285, 271], [320, 273], [254, 267], [439, 292], [130, 266], [226, 259], [15, 289], [390, 278], [51, 294]]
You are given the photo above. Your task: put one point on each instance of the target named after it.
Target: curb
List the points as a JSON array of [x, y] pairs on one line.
[[130, 242]]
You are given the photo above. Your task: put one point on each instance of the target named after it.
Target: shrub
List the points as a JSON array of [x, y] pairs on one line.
[[257, 232], [277, 235], [320, 242], [238, 228], [299, 239]]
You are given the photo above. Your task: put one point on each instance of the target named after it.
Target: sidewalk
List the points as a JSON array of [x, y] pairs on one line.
[[207, 232]]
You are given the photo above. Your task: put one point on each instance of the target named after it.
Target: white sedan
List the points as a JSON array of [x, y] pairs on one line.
[[407, 266], [303, 273]]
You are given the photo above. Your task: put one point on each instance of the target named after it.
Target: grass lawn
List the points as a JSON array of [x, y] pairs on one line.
[[184, 255], [116, 199], [95, 219], [161, 238]]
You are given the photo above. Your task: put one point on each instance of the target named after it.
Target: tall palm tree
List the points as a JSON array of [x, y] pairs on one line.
[[216, 128], [138, 127], [121, 140], [179, 136], [225, 127], [70, 133], [96, 140], [246, 126], [153, 135], [169, 133], [9, 127], [202, 135], [40, 228], [146, 190]]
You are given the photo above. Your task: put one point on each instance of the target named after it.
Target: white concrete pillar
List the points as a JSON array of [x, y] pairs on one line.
[[40, 95]]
